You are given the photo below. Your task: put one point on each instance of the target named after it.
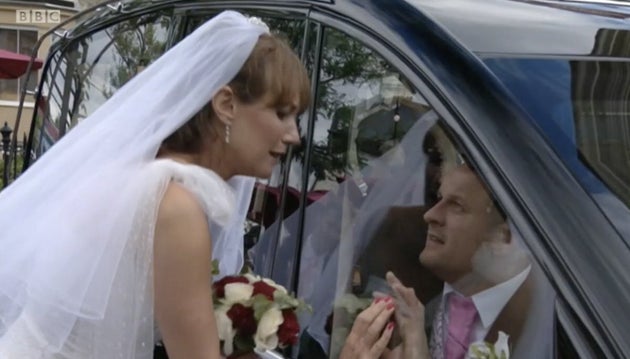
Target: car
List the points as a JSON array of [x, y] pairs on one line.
[[533, 94]]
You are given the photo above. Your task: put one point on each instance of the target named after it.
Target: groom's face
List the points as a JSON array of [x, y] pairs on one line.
[[458, 223]]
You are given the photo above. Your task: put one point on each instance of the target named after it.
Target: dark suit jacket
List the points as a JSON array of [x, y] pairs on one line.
[[514, 315], [511, 320]]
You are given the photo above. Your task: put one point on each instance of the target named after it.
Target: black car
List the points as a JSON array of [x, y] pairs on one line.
[[533, 94]]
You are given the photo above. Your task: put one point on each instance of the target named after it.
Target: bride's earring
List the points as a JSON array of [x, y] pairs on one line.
[[227, 133]]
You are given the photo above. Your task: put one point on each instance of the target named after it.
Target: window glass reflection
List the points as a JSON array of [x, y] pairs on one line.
[[90, 70], [19, 41], [582, 108], [396, 195]]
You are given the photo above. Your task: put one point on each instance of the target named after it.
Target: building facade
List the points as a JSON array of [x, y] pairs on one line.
[[22, 23]]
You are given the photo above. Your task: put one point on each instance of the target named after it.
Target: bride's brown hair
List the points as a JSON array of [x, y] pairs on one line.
[[272, 71]]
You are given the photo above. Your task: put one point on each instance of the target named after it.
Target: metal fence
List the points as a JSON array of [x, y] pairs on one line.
[[10, 163]]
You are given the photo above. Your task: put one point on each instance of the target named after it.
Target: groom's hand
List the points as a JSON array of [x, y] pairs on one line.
[[410, 319]]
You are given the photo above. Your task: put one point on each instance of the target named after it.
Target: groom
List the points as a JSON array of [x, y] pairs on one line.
[[487, 278]]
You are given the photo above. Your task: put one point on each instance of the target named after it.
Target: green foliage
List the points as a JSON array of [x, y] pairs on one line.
[[261, 304], [345, 64], [137, 44], [284, 300], [215, 267], [242, 345]]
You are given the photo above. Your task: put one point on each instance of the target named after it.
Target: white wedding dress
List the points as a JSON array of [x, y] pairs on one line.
[[127, 328], [76, 244]]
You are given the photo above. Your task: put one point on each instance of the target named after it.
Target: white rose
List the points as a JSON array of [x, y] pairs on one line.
[[501, 345], [266, 334], [252, 278], [225, 330], [275, 285], [484, 350], [238, 292]]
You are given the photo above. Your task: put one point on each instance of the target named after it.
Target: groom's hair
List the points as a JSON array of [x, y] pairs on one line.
[[272, 71]]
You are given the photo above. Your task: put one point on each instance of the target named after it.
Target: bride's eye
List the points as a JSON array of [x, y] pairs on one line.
[[285, 112]]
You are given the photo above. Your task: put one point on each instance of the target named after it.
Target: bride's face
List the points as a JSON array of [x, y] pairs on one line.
[[261, 134]]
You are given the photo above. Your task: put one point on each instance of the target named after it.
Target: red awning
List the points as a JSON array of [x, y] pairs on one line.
[[13, 65]]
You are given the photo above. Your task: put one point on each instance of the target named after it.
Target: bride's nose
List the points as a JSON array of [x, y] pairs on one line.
[[292, 136]]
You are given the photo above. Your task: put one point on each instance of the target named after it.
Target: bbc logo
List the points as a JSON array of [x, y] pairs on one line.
[[37, 16]]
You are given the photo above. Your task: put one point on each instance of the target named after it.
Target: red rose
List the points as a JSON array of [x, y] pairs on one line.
[[289, 329], [219, 286], [242, 319], [263, 288]]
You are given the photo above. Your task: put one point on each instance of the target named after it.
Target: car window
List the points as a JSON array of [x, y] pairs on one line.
[[379, 159], [581, 106], [83, 75]]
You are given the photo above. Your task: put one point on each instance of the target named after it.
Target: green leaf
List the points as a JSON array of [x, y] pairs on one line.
[[261, 304], [215, 267], [246, 269], [285, 300], [243, 345]]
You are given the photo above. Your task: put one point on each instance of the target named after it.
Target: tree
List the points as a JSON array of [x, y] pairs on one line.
[[137, 44]]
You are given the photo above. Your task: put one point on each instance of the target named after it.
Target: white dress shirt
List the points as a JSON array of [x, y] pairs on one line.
[[489, 303]]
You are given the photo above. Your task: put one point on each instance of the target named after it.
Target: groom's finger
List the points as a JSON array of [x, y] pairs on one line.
[[405, 293], [392, 279]]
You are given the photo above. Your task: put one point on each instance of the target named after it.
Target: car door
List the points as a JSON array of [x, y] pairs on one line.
[[515, 163]]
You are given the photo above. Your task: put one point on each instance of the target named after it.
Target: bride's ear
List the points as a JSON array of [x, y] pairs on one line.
[[223, 105]]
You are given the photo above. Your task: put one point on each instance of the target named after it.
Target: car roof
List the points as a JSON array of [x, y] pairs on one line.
[[488, 28], [532, 27]]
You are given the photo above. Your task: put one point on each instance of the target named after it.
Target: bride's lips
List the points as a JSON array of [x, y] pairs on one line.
[[277, 155]]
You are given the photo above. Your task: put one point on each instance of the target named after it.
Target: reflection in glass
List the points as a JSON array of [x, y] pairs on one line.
[[22, 42], [89, 71], [364, 110], [377, 164], [581, 106]]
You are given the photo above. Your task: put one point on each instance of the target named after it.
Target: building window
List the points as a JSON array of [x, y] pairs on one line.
[[20, 41]]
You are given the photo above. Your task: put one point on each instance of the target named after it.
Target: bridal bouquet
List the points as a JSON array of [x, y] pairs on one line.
[[254, 313]]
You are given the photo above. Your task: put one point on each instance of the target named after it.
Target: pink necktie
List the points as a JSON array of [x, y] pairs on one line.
[[461, 319]]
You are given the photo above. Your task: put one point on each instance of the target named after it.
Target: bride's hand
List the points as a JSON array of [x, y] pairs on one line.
[[410, 322], [370, 332]]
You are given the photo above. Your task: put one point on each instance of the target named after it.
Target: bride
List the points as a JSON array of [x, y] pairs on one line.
[[106, 240]]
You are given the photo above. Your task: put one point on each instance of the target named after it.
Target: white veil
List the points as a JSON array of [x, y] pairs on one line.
[[77, 227], [395, 179]]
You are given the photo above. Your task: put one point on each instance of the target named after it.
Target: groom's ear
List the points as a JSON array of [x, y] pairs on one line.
[[223, 105]]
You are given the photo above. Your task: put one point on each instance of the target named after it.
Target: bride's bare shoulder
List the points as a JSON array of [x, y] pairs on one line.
[[180, 214], [179, 203]]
